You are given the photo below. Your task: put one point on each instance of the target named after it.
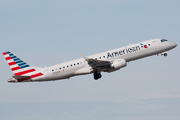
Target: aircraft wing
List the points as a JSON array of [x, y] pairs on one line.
[[96, 63]]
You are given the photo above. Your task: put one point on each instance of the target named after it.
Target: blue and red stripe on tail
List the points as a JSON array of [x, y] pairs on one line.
[[20, 68]]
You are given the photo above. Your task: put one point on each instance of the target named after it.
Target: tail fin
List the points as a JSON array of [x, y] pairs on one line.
[[19, 67]]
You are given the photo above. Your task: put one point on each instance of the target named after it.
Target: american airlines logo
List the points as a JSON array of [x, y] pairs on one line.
[[145, 46], [123, 52]]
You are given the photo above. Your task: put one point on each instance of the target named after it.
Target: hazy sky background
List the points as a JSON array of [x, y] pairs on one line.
[[48, 32]]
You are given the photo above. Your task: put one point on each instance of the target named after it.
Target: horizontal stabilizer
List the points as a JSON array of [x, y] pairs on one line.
[[21, 77]]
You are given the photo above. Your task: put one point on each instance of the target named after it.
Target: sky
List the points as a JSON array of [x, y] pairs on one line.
[[49, 32]]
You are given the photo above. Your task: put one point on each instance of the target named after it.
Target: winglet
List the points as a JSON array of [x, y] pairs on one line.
[[86, 58]]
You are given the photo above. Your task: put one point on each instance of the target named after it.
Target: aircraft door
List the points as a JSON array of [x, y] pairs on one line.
[[155, 45]]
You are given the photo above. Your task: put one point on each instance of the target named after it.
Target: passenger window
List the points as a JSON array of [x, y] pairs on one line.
[[71, 65], [104, 56], [99, 57], [59, 68], [52, 70], [67, 66], [78, 63], [95, 58], [74, 64], [141, 46], [63, 67], [149, 44]]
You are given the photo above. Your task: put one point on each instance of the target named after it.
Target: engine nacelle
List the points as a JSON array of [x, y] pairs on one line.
[[117, 64]]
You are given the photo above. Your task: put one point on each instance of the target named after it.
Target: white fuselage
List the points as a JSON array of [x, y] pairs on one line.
[[108, 61], [129, 53]]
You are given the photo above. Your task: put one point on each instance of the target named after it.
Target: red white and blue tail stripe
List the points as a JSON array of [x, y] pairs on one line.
[[20, 68]]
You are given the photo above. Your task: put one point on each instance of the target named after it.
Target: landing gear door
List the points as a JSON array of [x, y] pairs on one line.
[[155, 45]]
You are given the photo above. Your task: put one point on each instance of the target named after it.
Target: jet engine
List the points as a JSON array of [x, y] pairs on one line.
[[117, 64]]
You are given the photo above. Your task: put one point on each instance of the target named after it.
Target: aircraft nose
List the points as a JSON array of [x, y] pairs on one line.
[[174, 45]]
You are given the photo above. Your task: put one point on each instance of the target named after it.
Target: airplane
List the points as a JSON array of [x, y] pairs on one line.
[[108, 61]]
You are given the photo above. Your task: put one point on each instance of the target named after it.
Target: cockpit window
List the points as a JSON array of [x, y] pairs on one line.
[[163, 40]]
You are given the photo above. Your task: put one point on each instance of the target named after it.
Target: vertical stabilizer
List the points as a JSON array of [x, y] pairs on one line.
[[20, 68]]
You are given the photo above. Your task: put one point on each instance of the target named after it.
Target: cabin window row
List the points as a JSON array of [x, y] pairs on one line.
[[68, 66], [100, 57], [76, 64]]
